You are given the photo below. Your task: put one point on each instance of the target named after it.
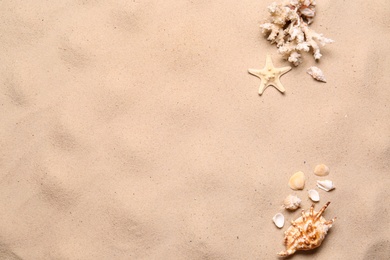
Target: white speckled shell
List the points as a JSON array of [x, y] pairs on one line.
[[316, 73]]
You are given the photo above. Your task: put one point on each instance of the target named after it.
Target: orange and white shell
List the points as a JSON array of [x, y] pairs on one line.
[[307, 232]]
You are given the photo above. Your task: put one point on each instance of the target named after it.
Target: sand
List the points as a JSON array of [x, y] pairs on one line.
[[132, 130]]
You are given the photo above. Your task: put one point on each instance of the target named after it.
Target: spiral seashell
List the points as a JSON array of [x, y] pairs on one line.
[[292, 202], [316, 73], [306, 232]]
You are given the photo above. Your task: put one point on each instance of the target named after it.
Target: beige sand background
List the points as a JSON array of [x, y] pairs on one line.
[[132, 130]]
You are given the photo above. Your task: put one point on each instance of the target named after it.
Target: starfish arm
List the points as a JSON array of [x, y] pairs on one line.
[[262, 87], [278, 85], [254, 72], [268, 62], [284, 70]]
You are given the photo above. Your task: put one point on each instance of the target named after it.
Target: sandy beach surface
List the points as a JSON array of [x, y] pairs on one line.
[[132, 130]]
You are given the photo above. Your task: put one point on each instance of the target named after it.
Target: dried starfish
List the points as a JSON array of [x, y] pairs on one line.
[[270, 75]]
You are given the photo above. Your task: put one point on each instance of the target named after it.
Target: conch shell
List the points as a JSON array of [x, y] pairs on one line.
[[307, 232], [292, 202], [316, 73]]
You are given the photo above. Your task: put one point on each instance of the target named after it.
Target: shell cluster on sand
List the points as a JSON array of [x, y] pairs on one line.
[[288, 28], [308, 231]]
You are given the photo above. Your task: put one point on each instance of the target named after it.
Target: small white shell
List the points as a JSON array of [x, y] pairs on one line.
[[316, 73], [292, 202], [297, 181], [313, 195], [325, 185], [278, 220]]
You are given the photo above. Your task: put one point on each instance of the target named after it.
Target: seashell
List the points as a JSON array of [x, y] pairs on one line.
[[297, 181], [278, 220], [316, 73], [321, 170], [292, 202], [325, 185], [306, 232], [313, 195]]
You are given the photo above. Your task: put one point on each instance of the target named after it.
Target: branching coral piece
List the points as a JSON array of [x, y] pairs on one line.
[[288, 28]]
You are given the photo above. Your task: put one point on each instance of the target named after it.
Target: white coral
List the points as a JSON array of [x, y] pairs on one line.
[[288, 28]]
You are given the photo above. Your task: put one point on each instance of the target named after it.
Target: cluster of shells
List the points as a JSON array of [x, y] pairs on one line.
[[308, 231]]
